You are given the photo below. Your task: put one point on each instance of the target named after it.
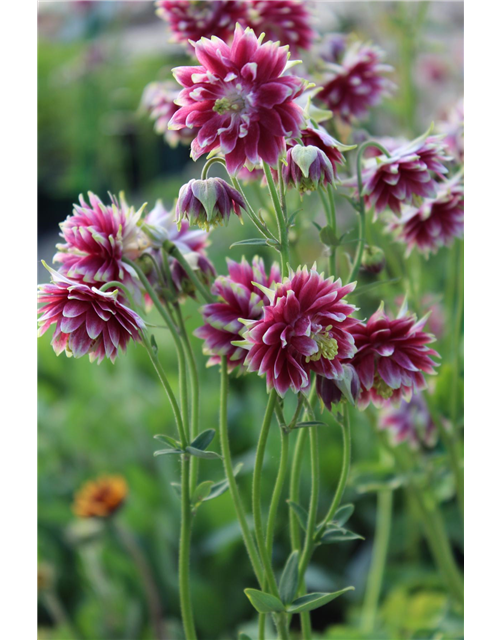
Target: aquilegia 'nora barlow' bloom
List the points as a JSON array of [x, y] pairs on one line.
[[286, 21], [87, 320], [305, 328], [158, 100], [238, 297], [337, 390], [97, 237], [307, 168], [391, 358], [190, 20], [100, 498], [406, 174], [410, 422], [351, 87], [437, 222], [208, 202], [240, 100]]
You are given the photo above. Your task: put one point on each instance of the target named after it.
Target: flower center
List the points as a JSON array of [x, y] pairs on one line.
[[327, 346], [382, 388], [234, 102]]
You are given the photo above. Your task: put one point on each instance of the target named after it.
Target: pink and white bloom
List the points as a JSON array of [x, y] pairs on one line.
[[391, 358], [436, 223], [158, 99], [239, 296], [87, 320], [332, 148], [286, 21], [190, 20], [307, 168], [240, 99], [411, 422], [97, 238], [305, 328], [208, 203], [408, 174], [356, 83]]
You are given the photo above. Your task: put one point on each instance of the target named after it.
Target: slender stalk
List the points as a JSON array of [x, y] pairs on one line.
[[457, 329], [280, 219], [333, 224], [173, 250], [184, 549], [152, 596], [278, 488], [379, 556], [57, 611], [313, 504], [233, 488]]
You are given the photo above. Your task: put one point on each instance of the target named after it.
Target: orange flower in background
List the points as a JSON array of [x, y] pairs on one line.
[[100, 498]]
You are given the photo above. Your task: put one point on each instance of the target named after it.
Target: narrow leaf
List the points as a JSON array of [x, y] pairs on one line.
[[166, 452], [202, 491], [250, 241], [171, 442], [343, 514], [203, 439], [314, 600], [300, 512], [199, 453], [264, 602], [310, 423], [289, 578], [339, 535], [221, 487], [373, 285]]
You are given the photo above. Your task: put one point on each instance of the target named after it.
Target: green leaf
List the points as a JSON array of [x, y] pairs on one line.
[[314, 600], [264, 602], [249, 241], [202, 491], [327, 236], [300, 512], [311, 423], [154, 346], [337, 534], [166, 452], [289, 578], [243, 636], [177, 488], [221, 487], [343, 514], [373, 285], [199, 453], [171, 442], [203, 439]]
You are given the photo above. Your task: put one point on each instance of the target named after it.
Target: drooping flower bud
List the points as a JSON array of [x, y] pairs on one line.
[[334, 391], [307, 168], [208, 203], [373, 259]]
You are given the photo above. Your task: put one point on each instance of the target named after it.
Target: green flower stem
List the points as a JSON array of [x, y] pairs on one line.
[[344, 474], [456, 334], [152, 596], [184, 552], [278, 488], [361, 203], [280, 219], [202, 289], [434, 529], [233, 488], [57, 611], [379, 556]]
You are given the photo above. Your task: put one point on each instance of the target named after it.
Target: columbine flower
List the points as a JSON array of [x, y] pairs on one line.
[[286, 21], [373, 259], [307, 168], [100, 498], [158, 99], [87, 320], [391, 358], [332, 148], [411, 422], [357, 83], [406, 175], [345, 388], [97, 237], [240, 100], [437, 222], [453, 130], [208, 203], [238, 298], [305, 328], [190, 20], [161, 225]]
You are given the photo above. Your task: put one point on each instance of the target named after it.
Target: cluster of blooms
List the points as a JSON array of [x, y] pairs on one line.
[[354, 78], [286, 21]]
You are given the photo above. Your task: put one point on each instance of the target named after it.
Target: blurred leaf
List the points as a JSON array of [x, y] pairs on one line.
[[373, 285], [201, 492], [171, 442], [300, 512], [250, 241], [206, 455], [166, 452], [314, 600], [311, 423], [221, 487], [264, 602], [343, 514], [337, 534], [290, 578], [203, 439]]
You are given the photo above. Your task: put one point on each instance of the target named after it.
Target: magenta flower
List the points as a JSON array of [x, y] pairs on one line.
[[208, 203], [411, 422], [357, 82], [332, 148], [409, 173], [240, 100], [194, 20], [87, 320], [334, 391], [391, 358], [98, 237], [158, 99], [286, 21], [436, 223], [238, 298], [307, 168], [305, 328]]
